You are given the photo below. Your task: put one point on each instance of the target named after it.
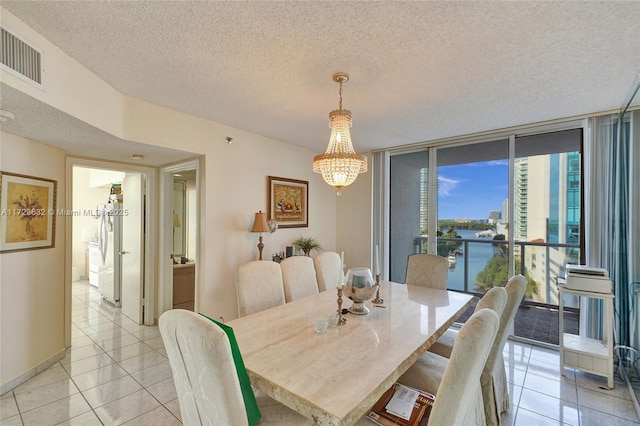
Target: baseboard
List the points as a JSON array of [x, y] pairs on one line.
[[10, 385]]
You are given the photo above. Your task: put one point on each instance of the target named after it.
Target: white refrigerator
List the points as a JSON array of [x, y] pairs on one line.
[[110, 247]]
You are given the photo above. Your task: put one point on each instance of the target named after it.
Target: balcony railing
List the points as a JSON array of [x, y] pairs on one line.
[[475, 265]]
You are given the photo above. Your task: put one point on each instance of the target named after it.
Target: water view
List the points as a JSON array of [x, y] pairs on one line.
[[477, 254]]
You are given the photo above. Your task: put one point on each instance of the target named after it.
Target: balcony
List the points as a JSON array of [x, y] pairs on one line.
[[482, 263]]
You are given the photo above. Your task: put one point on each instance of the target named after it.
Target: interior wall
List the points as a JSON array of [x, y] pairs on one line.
[[354, 220], [84, 225], [32, 287]]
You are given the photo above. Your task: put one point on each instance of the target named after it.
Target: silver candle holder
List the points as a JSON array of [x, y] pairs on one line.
[[341, 320], [377, 300]]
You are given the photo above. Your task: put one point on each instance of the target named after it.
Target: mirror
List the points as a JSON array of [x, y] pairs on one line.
[[179, 218]]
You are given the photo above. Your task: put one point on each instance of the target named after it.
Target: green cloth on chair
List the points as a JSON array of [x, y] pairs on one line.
[[250, 404]]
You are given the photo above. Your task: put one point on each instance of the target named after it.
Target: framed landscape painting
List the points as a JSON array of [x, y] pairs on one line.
[[288, 202], [27, 212]]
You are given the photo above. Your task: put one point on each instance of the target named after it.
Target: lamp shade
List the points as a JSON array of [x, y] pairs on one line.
[[260, 223]]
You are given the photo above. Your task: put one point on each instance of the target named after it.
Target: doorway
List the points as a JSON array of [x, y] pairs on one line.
[[113, 263], [180, 249]]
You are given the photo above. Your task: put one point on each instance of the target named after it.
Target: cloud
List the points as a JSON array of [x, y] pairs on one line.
[[489, 163], [446, 186]]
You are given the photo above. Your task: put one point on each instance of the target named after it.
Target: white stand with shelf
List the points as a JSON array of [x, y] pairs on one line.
[[584, 353]]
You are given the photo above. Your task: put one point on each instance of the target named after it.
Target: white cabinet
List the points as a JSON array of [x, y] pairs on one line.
[[584, 353]]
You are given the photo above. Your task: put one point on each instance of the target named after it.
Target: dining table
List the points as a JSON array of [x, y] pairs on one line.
[[335, 377]]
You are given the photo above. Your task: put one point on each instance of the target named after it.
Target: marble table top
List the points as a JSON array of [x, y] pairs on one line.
[[335, 377]]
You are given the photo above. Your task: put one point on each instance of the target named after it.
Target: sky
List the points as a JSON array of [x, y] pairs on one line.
[[471, 191]]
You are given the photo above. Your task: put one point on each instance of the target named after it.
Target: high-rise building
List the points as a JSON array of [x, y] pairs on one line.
[[547, 209]]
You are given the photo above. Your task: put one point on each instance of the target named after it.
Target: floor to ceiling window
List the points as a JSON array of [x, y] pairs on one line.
[[476, 198]]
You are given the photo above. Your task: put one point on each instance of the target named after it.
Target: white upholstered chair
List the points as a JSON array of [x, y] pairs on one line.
[[494, 377], [427, 270], [205, 377], [495, 392], [495, 298], [299, 277], [259, 286], [456, 381], [329, 271]]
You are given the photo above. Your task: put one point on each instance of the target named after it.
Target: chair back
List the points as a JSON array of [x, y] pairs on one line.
[[299, 277], [259, 286], [515, 288], [329, 271], [461, 379], [495, 299], [203, 370], [427, 270]]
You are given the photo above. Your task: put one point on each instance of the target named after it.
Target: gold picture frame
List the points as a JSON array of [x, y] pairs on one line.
[[288, 202], [27, 212]]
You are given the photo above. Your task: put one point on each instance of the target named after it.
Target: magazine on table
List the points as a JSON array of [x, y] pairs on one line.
[[402, 406]]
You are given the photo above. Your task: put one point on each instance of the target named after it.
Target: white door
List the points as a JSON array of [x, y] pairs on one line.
[[132, 253]]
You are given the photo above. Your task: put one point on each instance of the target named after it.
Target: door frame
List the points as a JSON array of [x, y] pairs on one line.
[[165, 268], [150, 243]]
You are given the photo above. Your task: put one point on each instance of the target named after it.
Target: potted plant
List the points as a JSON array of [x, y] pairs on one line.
[[307, 245]]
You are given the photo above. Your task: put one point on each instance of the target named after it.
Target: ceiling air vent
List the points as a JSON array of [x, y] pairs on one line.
[[20, 58]]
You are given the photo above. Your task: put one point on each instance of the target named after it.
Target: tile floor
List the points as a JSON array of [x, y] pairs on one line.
[[116, 372]]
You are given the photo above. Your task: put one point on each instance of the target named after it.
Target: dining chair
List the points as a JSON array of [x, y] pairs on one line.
[[259, 286], [427, 270], [206, 377], [456, 382], [299, 277], [494, 377], [329, 271], [495, 392], [495, 298]]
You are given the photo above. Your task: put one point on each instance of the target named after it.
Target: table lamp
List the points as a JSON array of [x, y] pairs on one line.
[[260, 225]]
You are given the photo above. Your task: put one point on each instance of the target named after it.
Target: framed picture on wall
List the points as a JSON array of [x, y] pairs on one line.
[[288, 202], [27, 212]]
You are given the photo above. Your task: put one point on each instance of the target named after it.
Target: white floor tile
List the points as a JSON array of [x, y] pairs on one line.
[[56, 412], [12, 421], [600, 384], [8, 408], [163, 391], [87, 419], [529, 418], [609, 404], [75, 368], [53, 374], [154, 374], [174, 407], [140, 362], [98, 376], [111, 391], [558, 388], [127, 408], [548, 406], [46, 394], [159, 416], [589, 416], [130, 351]]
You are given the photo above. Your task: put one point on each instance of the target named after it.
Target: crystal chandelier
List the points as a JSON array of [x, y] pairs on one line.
[[340, 164]]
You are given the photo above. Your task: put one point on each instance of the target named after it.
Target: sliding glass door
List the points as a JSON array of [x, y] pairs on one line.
[[495, 208]]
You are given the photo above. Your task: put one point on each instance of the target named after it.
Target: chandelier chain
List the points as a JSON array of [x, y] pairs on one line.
[[340, 94]]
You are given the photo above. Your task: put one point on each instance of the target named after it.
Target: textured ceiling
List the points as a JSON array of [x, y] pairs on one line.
[[419, 70]]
